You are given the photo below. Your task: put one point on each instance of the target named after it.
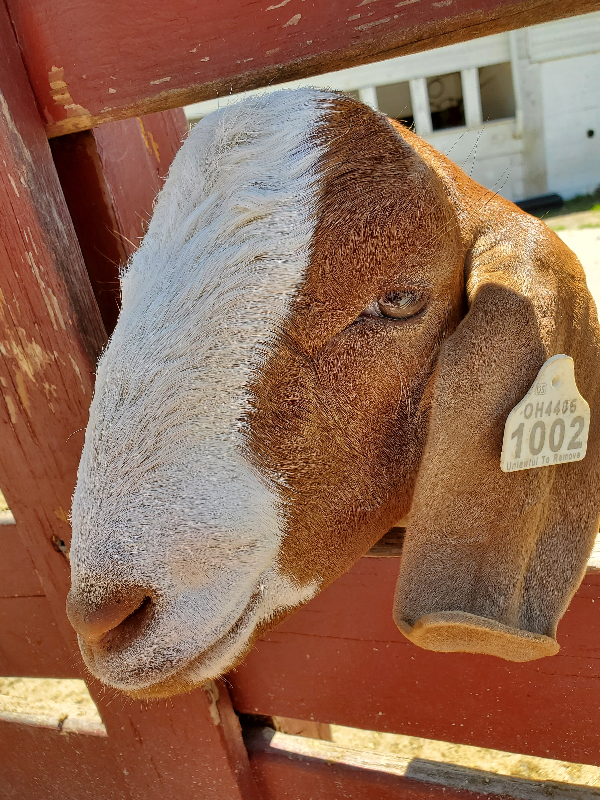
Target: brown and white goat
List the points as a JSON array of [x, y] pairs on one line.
[[325, 328]]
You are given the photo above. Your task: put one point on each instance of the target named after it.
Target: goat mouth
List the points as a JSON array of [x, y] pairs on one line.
[[180, 677], [233, 646]]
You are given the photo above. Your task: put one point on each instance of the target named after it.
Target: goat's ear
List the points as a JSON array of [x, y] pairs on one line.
[[492, 559]]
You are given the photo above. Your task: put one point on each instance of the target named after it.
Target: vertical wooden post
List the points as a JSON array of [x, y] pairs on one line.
[[110, 177], [50, 335]]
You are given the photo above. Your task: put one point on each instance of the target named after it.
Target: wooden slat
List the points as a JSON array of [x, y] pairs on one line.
[[17, 574], [31, 644], [291, 766], [341, 660], [50, 334], [110, 177], [92, 62], [39, 763], [294, 768]]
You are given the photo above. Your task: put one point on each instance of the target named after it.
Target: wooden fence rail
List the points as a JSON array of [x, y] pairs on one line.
[[94, 62]]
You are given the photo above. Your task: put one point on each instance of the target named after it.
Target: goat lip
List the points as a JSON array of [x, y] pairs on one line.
[[182, 678], [459, 631], [175, 680]]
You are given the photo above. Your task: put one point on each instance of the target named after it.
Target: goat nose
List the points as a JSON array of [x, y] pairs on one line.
[[93, 620]]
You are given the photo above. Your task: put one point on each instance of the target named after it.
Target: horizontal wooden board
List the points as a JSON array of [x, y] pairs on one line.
[[31, 644], [341, 660], [91, 62], [294, 768], [39, 763]]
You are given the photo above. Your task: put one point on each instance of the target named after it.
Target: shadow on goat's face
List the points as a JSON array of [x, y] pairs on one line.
[[261, 409]]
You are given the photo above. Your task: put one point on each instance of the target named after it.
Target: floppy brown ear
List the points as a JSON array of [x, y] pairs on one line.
[[491, 560]]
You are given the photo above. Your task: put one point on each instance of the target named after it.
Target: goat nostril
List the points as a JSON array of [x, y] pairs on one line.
[[93, 621]]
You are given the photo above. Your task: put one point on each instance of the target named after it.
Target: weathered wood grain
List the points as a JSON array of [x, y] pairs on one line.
[[17, 573], [110, 177], [31, 644], [50, 333], [185, 748], [294, 768], [145, 763], [290, 766], [39, 763], [94, 62], [341, 660]]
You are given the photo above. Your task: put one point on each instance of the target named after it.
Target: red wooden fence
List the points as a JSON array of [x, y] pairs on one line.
[[92, 62], [69, 217]]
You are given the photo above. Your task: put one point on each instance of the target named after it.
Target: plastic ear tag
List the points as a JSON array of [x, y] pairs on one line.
[[550, 425]]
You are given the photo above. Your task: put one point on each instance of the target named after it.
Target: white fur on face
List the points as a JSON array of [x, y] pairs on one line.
[[165, 498]]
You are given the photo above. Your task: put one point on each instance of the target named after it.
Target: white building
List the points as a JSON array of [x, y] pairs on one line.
[[519, 111]]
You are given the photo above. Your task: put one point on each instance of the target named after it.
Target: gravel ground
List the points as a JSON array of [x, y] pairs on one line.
[[585, 243], [480, 758], [47, 697]]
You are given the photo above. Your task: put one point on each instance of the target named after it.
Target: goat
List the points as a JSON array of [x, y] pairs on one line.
[[325, 328]]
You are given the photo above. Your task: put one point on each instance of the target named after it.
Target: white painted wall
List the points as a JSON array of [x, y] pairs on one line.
[[491, 155], [453, 58], [571, 97]]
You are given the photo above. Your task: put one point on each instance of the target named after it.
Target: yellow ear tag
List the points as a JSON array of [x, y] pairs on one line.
[[551, 423]]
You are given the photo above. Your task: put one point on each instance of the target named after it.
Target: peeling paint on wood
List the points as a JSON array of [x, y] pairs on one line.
[[57, 34], [212, 692], [59, 92]]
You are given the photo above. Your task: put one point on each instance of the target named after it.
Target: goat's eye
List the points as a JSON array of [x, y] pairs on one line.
[[396, 305], [400, 305]]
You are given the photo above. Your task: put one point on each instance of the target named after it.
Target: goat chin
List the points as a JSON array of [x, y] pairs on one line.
[[326, 326]]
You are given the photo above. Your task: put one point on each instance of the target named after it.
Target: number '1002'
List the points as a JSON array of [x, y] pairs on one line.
[[556, 436]]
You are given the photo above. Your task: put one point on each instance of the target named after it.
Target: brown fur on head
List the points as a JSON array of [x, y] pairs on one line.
[[349, 418], [339, 407]]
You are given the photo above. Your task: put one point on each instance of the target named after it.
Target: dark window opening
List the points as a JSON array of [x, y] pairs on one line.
[[446, 101], [497, 95], [394, 101]]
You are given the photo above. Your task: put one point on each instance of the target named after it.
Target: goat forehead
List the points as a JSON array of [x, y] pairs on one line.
[[203, 301]]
